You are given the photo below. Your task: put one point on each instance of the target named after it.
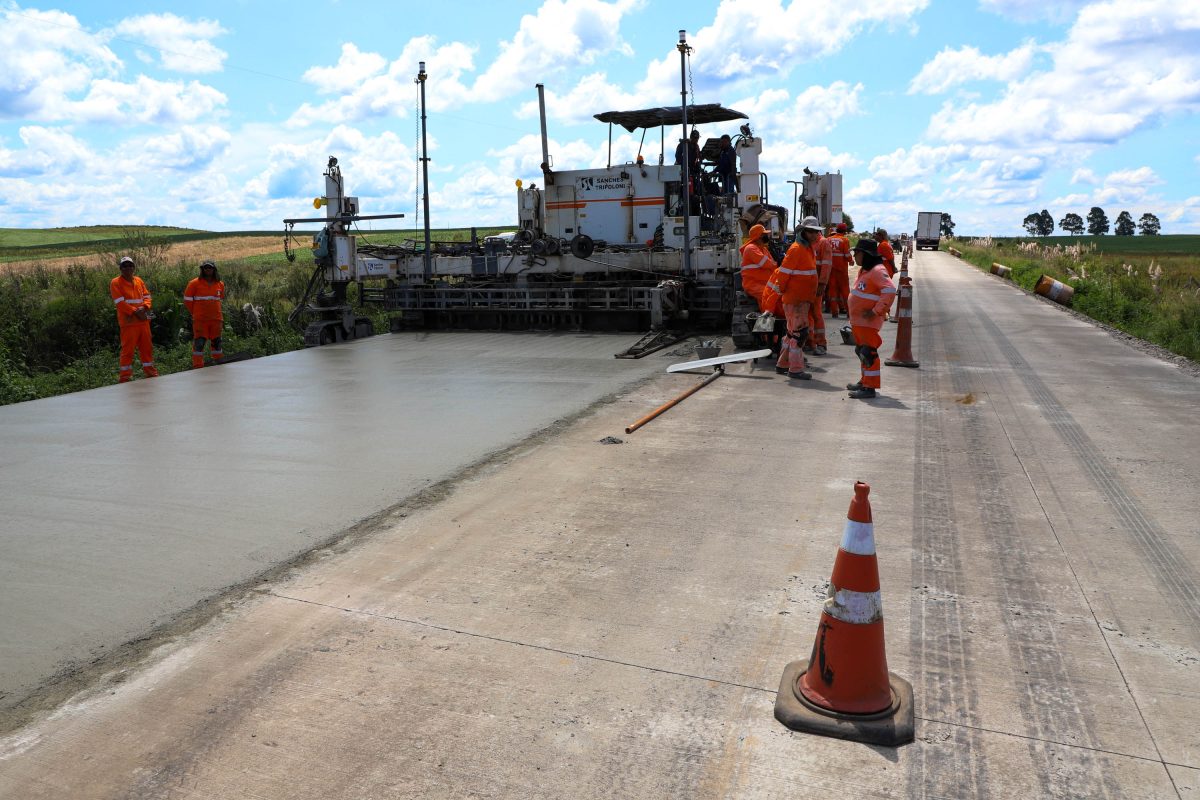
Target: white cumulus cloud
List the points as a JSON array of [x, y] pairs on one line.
[[182, 45], [952, 67], [52, 151]]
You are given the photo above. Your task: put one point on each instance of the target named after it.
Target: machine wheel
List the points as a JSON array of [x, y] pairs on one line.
[[582, 246], [553, 246]]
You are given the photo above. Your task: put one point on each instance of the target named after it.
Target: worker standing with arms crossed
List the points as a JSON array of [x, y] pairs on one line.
[[132, 299], [203, 297], [839, 281], [796, 284], [870, 300]]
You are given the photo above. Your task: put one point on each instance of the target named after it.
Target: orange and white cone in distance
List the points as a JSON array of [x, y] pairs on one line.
[[845, 690], [902, 356]]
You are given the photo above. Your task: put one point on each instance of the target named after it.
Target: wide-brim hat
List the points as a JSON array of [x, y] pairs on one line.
[[868, 246]]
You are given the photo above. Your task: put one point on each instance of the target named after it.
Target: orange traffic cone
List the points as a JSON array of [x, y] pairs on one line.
[[845, 690], [903, 357]]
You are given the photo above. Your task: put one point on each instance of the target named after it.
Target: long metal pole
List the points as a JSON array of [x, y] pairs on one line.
[[546, 177], [672, 403], [687, 157], [795, 198], [425, 172]]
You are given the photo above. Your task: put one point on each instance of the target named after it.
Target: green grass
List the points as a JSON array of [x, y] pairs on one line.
[[1115, 283]]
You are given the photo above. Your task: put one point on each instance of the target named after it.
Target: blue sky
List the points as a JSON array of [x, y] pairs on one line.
[[157, 113]]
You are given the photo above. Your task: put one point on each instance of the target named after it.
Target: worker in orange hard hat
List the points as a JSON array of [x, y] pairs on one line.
[[839, 279], [203, 298], [132, 299], [795, 281], [757, 264], [870, 300], [886, 252]]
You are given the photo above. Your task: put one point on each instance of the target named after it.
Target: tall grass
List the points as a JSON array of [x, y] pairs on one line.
[[1150, 292]]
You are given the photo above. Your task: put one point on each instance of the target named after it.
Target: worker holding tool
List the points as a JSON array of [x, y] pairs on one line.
[[839, 281], [132, 299], [795, 283], [203, 297], [870, 300]]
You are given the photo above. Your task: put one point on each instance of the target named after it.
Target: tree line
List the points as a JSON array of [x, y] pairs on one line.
[[1097, 223]]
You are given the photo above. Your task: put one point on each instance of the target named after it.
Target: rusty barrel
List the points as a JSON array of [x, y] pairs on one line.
[[1055, 290], [1001, 270]]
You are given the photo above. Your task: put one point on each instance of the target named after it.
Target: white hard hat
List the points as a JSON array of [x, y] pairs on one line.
[[810, 224]]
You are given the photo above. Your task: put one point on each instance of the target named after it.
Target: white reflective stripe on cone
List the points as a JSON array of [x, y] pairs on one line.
[[859, 538], [905, 312], [857, 608]]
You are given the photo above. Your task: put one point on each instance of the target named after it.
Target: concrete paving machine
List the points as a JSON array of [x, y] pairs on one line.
[[626, 247]]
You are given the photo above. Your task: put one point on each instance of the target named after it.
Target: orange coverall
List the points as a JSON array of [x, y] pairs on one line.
[[816, 320], [889, 257], [129, 296], [203, 300], [839, 280], [873, 291], [795, 282], [757, 268]]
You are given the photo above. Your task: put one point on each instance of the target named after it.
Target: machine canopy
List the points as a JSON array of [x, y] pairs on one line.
[[670, 115]]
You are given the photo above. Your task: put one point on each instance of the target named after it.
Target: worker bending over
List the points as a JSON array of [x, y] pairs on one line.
[[870, 300], [132, 299], [203, 297], [839, 281], [795, 283]]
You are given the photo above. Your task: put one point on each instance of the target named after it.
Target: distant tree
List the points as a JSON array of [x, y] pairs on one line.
[[1148, 225], [846, 218], [1125, 225], [1032, 223], [1072, 223], [1097, 221], [1045, 223], [947, 225]]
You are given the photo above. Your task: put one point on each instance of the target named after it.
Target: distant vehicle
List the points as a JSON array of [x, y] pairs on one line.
[[929, 229]]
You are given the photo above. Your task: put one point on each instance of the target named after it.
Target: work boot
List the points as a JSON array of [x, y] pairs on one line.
[[820, 350], [781, 371], [799, 376], [863, 393], [853, 387]]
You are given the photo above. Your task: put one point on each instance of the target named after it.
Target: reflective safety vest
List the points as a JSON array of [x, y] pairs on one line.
[[203, 299], [841, 250], [757, 267], [796, 278], [128, 297], [873, 291]]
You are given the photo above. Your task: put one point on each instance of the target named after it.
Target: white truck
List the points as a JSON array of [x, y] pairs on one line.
[[929, 229]]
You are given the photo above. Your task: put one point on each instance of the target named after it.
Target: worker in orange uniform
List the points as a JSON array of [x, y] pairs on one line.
[[795, 283], [757, 264], [839, 280], [823, 250], [886, 252], [203, 297], [132, 299], [870, 299]]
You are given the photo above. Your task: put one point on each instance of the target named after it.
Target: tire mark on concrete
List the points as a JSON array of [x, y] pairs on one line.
[[938, 642], [1165, 561], [1047, 698]]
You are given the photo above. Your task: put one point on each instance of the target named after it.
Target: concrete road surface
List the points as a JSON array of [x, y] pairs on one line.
[[126, 505], [584, 619]]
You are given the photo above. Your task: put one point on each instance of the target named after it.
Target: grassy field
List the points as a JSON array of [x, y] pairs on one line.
[[1147, 286], [59, 333]]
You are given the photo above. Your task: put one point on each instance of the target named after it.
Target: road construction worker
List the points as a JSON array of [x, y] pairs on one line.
[[795, 282], [886, 252], [203, 297], [757, 263], [823, 250], [132, 299], [870, 300], [839, 279]]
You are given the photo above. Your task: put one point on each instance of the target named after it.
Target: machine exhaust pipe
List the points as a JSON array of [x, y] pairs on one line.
[[547, 176]]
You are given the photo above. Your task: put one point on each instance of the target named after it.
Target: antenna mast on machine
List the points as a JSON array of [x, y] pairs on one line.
[[425, 171], [685, 193]]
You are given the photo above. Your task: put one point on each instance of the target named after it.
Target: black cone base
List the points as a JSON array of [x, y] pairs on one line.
[[891, 729]]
